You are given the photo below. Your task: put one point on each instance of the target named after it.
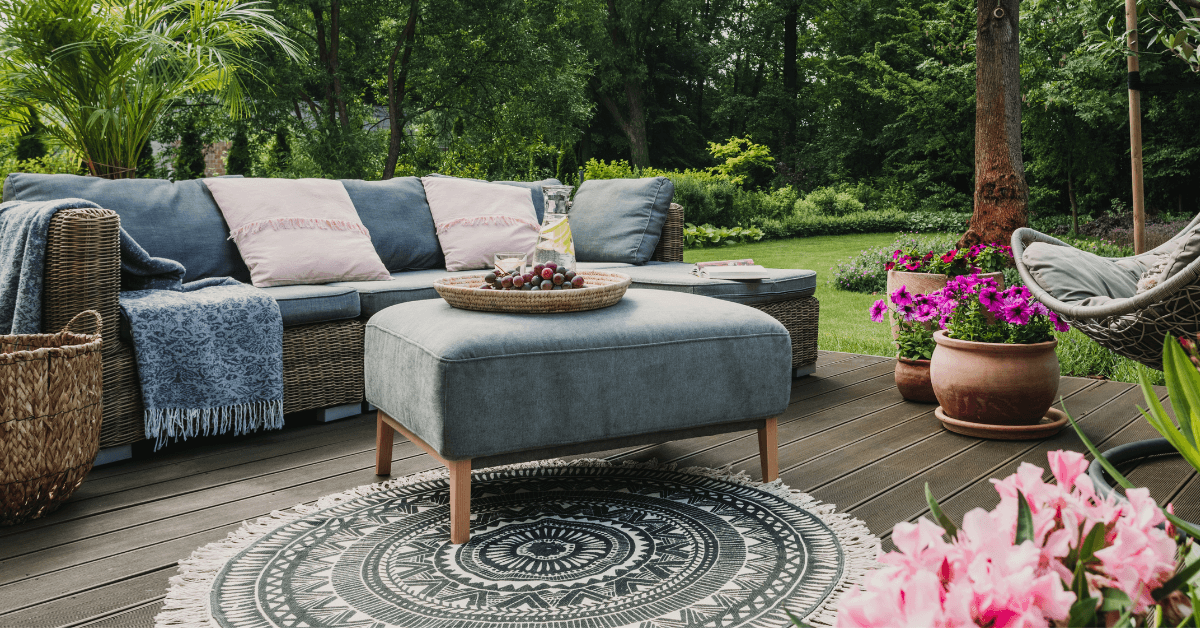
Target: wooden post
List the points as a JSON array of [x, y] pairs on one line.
[[768, 449], [1135, 133]]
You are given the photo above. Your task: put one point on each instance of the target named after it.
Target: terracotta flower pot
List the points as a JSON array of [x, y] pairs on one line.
[[923, 283], [912, 380], [994, 383]]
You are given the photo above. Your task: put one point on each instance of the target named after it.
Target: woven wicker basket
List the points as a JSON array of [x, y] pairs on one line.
[[50, 408], [602, 290]]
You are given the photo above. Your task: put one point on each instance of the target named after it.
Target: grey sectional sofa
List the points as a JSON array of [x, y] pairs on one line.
[[323, 324]]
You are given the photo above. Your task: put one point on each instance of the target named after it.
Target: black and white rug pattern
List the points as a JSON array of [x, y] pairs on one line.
[[579, 545]]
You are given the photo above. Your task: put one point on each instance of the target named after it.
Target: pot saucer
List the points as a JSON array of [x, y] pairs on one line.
[[1047, 427]]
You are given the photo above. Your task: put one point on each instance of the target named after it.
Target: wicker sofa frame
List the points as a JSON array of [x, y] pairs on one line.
[[322, 362]]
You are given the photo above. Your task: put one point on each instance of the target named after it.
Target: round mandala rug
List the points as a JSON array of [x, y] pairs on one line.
[[553, 545]]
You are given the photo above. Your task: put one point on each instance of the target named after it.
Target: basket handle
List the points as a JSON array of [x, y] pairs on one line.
[[96, 315]]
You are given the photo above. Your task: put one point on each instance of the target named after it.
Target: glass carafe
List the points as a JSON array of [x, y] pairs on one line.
[[554, 242]]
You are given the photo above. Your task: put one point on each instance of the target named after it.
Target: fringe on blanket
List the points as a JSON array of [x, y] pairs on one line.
[[167, 424]]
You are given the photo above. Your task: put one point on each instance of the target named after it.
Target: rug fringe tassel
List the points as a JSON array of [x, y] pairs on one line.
[[187, 600]]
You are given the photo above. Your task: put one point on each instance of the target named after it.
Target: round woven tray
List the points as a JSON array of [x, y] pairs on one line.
[[602, 290]]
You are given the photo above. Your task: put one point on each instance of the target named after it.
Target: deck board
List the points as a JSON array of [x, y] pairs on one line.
[[105, 558]]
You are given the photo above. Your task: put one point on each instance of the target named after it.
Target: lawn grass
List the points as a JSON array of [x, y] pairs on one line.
[[844, 323]]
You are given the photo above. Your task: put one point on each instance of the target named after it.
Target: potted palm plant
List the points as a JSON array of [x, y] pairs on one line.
[[994, 370], [102, 73]]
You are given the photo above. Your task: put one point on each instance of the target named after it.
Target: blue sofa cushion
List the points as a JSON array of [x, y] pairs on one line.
[[302, 304], [655, 361], [784, 284], [396, 214], [535, 189], [620, 220], [176, 220]]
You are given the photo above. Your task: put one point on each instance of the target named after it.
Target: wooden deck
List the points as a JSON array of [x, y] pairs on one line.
[[105, 557]]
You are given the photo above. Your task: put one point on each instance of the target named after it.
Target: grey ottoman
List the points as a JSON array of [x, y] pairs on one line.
[[478, 389]]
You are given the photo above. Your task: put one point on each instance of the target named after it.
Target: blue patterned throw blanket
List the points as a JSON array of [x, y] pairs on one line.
[[209, 353]]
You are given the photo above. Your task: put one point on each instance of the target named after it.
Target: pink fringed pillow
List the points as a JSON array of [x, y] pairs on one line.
[[296, 231], [475, 220]]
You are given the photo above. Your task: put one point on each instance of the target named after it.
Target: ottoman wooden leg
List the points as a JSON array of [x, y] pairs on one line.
[[384, 435], [768, 450], [460, 474], [460, 501]]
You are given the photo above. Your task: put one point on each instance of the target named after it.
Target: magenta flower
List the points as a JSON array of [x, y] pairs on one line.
[[990, 298], [901, 296], [1059, 325], [1016, 311], [878, 309]]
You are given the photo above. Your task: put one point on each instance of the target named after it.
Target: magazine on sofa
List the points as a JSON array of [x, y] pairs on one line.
[[737, 270]]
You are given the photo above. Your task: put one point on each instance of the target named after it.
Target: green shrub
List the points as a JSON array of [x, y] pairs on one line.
[[865, 272], [923, 222], [801, 225], [829, 201], [1080, 356], [708, 235]]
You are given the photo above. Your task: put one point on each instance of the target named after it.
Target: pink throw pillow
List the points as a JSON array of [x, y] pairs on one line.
[[475, 220], [296, 231]]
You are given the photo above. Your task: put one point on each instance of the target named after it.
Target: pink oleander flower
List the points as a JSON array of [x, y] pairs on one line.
[[981, 577]]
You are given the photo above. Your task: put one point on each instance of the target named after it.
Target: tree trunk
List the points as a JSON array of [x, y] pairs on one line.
[[327, 54], [634, 124], [1074, 204], [1001, 195], [396, 89], [790, 20]]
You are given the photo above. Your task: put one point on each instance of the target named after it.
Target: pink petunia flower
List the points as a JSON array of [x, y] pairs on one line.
[[878, 309]]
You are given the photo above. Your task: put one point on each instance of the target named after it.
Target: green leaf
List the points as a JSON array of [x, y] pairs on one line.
[[1115, 600], [1083, 613], [1183, 385], [1024, 520], [1093, 543], [1079, 581], [795, 621], [1179, 38], [1178, 580], [1111, 470], [936, 510]]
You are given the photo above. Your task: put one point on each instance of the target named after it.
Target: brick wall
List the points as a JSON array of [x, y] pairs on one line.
[[214, 159]]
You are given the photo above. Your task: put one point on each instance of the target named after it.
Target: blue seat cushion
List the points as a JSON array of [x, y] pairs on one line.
[[620, 220], [784, 284], [396, 214], [302, 304], [176, 220], [656, 361]]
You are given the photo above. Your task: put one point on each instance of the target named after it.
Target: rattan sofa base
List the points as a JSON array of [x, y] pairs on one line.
[[322, 362]]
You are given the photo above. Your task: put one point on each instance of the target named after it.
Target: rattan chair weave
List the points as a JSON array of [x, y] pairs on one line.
[[670, 244], [50, 413], [1134, 327], [322, 365]]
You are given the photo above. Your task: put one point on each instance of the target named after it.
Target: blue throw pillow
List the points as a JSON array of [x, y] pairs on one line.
[[176, 220], [396, 214], [535, 188], [620, 220]]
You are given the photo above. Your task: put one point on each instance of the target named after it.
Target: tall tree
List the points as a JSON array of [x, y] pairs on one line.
[[1001, 194]]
